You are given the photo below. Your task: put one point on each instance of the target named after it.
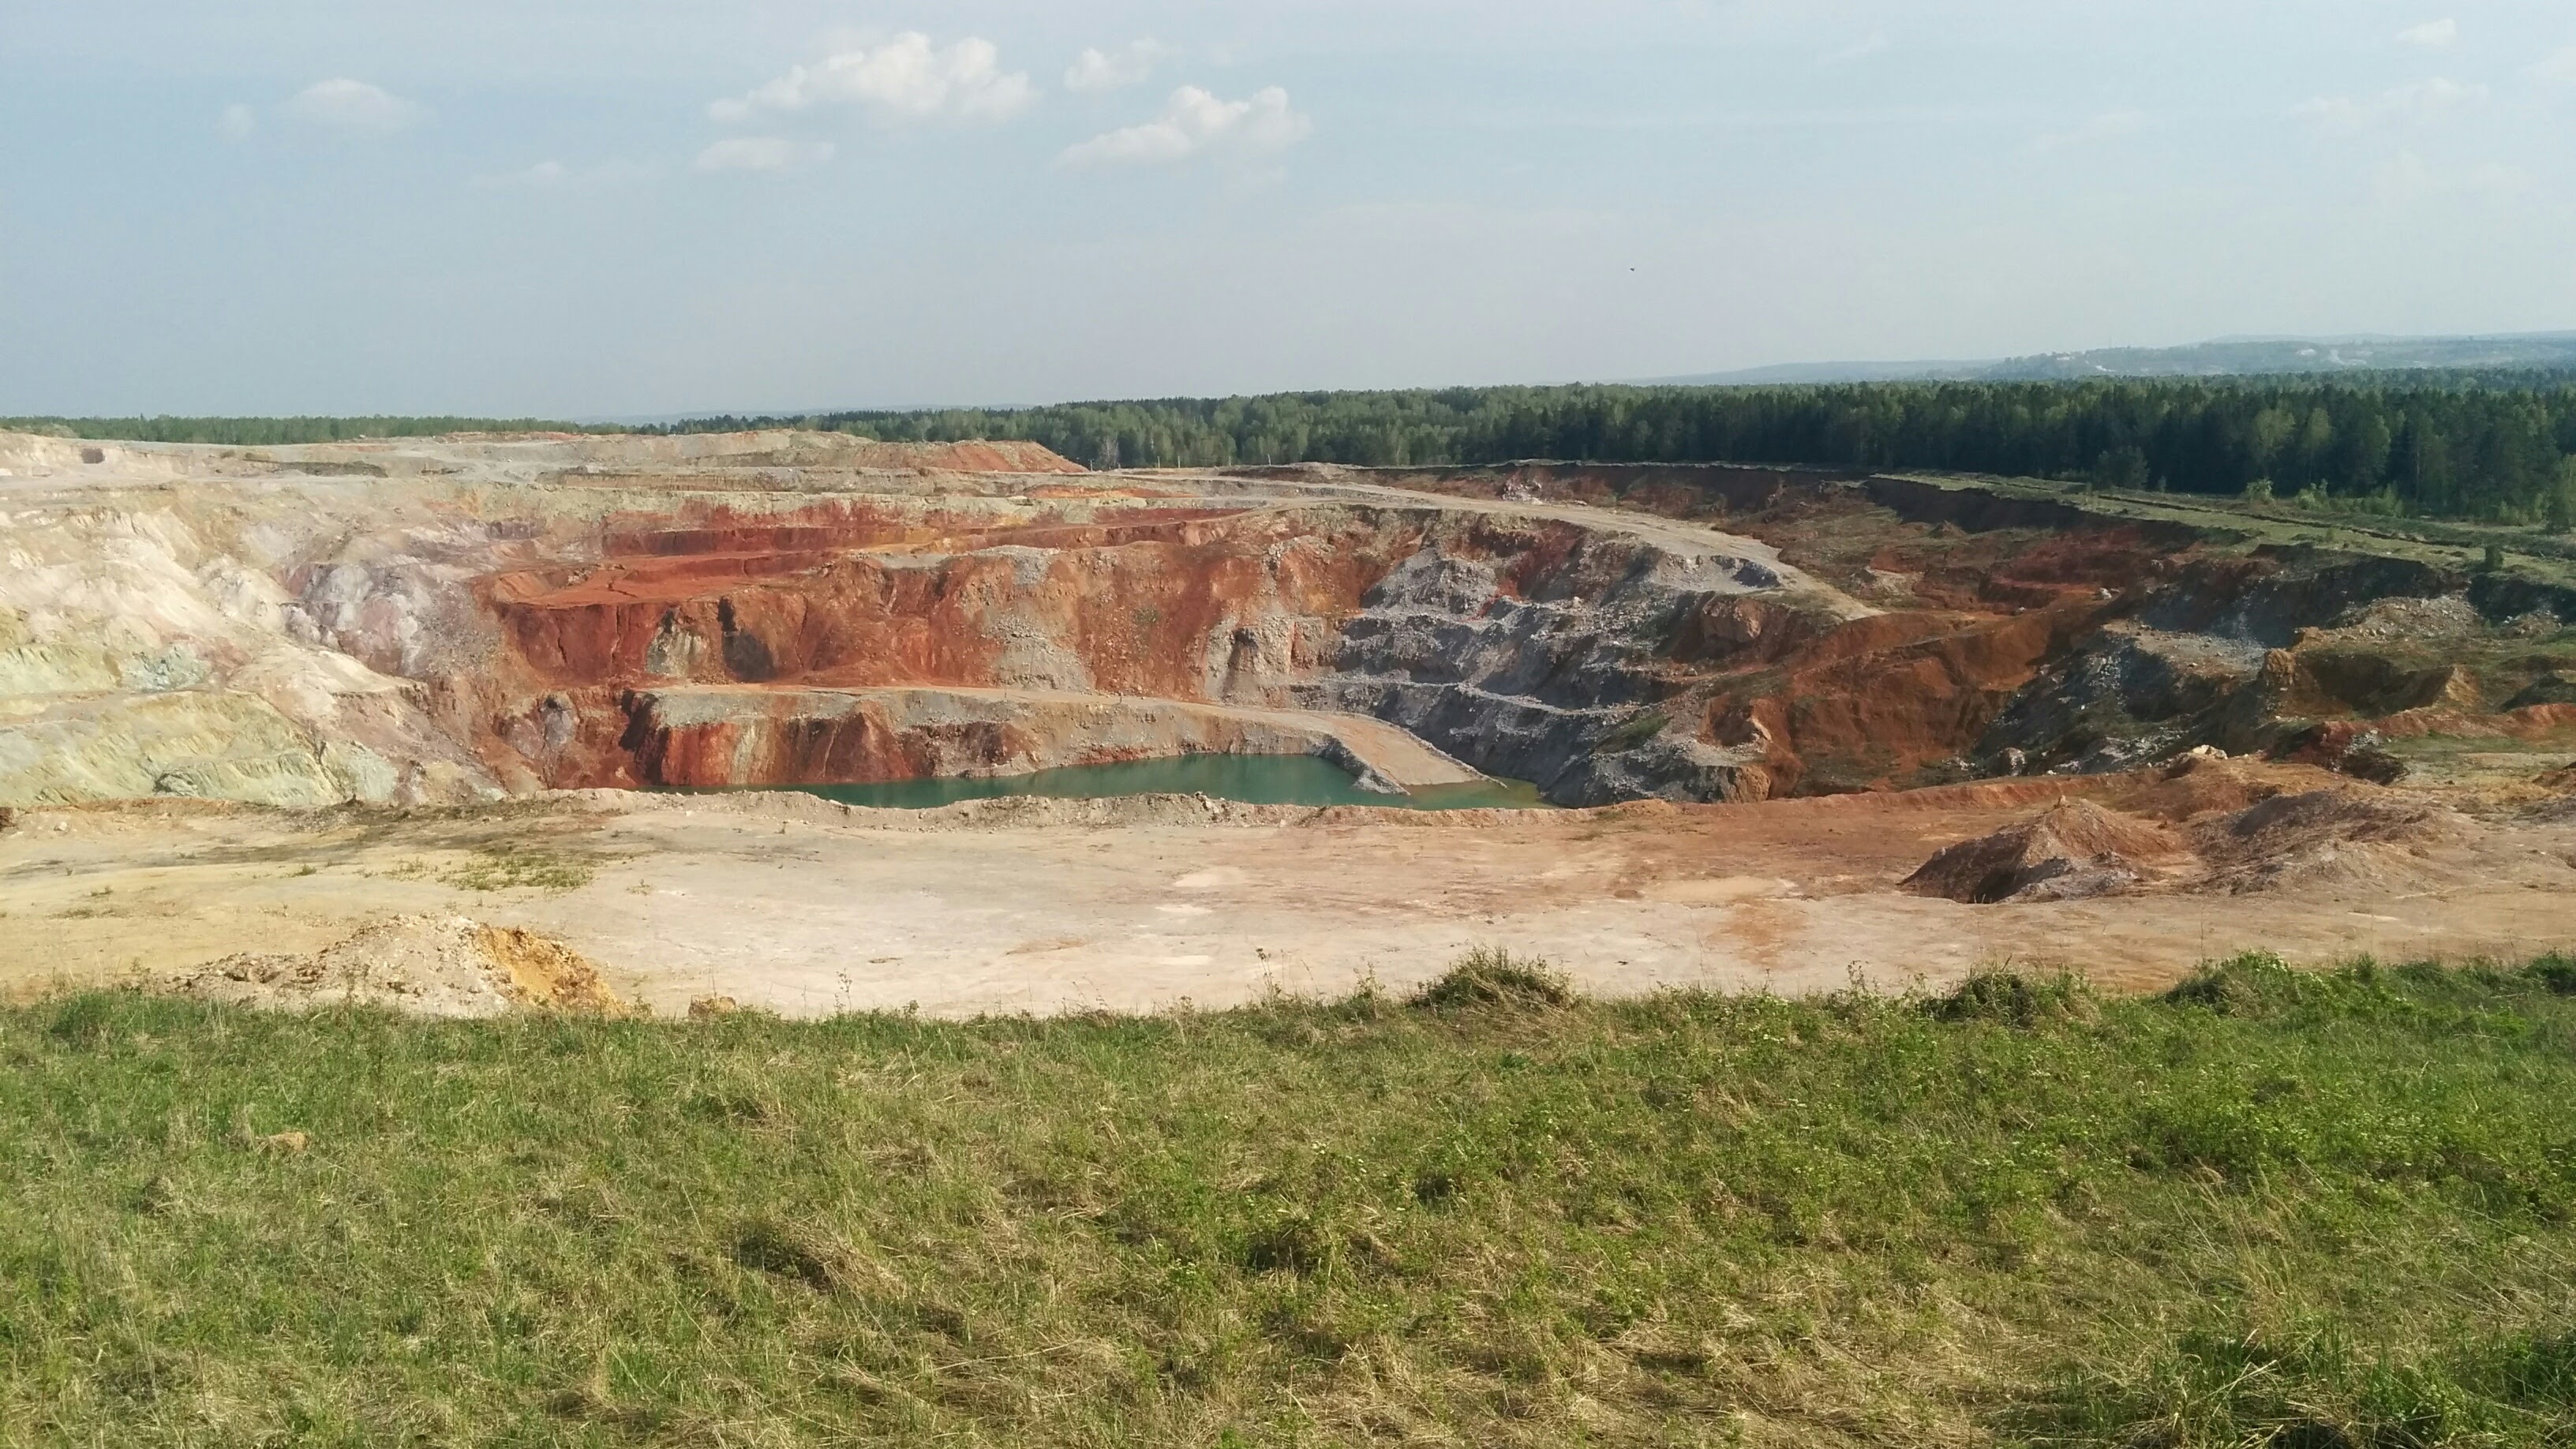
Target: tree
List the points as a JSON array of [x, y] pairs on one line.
[[2270, 435], [2365, 453], [2560, 510], [2121, 468]]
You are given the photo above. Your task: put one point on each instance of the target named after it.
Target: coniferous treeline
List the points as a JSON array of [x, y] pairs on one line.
[[2496, 446], [283, 432], [2490, 446]]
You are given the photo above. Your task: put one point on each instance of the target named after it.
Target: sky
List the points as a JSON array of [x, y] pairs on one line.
[[629, 208]]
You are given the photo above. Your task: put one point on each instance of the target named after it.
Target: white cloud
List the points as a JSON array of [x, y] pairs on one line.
[[2109, 126], [1108, 70], [906, 79], [2433, 34], [1195, 123], [237, 123], [352, 105], [1867, 45], [763, 153], [2560, 67], [2420, 101]]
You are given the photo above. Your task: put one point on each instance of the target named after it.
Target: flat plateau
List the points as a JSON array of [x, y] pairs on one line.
[[793, 904]]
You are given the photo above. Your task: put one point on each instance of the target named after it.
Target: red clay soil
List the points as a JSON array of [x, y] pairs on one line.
[[1872, 701]]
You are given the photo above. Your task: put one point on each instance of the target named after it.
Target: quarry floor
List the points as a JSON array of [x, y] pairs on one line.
[[793, 904]]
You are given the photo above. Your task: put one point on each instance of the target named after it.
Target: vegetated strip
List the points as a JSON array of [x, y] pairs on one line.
[[2495, 445], [2269, 1207], [285, 432]]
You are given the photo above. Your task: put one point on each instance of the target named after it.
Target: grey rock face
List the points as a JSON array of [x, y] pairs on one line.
[[1552, 688]]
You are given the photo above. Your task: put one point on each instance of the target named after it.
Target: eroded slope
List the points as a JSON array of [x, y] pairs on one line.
[[448, 619]]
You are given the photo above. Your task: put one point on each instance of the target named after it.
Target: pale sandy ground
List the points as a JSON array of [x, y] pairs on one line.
[[804, 907]]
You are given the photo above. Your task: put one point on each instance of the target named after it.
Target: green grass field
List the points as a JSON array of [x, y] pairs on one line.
[[2268, 1209]]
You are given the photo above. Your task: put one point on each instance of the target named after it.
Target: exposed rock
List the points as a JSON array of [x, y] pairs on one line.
[[2371, 761], [436, 621], [2551, 688], [2130, 694]]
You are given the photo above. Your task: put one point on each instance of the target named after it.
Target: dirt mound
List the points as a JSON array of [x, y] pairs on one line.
[[2073, 850], [2203, 784], [429, 966], [2342, 836]]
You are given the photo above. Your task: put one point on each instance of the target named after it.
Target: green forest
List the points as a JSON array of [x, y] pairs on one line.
[[2494, 446], [283, 432]]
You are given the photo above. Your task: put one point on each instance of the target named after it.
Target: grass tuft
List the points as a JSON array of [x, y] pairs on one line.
[[2017, 999], [765, 1246], [83, 1021], [2251, 985], [1491, 976]]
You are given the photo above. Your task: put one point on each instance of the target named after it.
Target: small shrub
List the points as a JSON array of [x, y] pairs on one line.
[[2557, 973], [2017, 1000], [1490, 976], [2254, 984]]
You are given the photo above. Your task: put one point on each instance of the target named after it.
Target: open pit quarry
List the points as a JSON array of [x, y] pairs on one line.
[[387, 721]]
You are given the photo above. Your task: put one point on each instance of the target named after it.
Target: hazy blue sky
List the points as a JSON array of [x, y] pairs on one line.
[[578, 207]]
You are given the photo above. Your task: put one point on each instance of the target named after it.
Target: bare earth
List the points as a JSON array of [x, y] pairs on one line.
[[376, 718], [801, 906]]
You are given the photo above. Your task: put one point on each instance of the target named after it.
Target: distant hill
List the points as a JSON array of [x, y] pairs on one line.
[[2226, 357]]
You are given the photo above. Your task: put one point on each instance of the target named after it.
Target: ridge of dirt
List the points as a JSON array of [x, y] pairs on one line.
[[2073, 850], [2349, 836], [450, 966], [2208, 826]]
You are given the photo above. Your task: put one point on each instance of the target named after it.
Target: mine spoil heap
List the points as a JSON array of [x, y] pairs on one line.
[[439, 621]]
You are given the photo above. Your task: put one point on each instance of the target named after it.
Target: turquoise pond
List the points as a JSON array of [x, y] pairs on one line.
[[1252, 779]]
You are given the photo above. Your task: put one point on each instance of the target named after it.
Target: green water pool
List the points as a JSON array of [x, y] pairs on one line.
[[1251, 779]]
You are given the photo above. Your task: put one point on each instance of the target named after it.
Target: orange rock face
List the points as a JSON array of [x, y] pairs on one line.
[[1986, 635], [1186, 604]]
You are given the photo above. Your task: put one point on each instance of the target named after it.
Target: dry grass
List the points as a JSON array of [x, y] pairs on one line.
[[2272, 1209]]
